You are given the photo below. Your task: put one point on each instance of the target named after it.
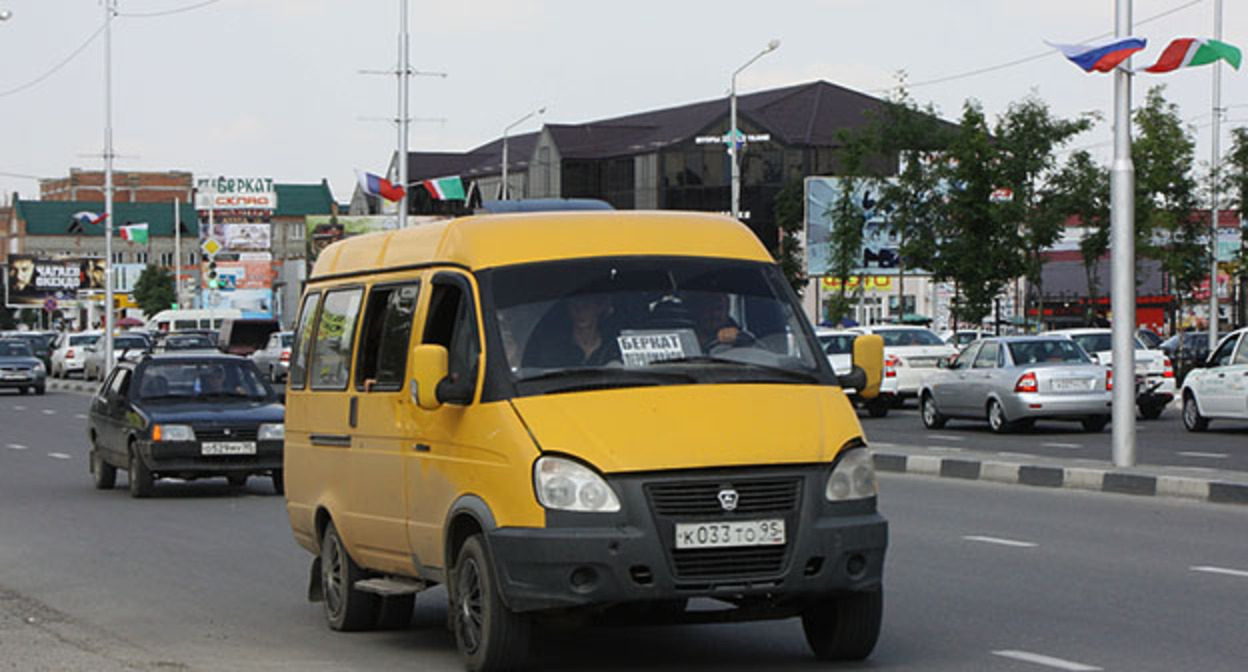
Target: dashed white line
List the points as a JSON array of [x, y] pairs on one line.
[[946, 437], [1006, 453], [58, 456], [1221, 570], [19, 408], [945, 449], [1212, 456], [80, 416], [1058, 444], [48, 411], [17, 446], [999, 541], [1048, 661]]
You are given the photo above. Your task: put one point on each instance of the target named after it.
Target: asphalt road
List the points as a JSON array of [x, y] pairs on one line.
[[979, 576], [1160, 442]]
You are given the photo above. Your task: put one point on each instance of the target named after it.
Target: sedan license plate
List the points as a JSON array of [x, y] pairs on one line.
[[730, 533], [15, 376], [228, 448], [1071, 384]]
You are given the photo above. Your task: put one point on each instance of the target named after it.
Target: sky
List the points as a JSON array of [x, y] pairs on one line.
[[273, 87]]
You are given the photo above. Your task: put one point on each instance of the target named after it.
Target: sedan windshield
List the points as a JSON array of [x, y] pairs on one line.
[[86, 339], [1049, 350], [129, 343], [901, 337], [14, 349], [201, 380], [1100, 342], [188, 343], [586, 321], [838, 344]]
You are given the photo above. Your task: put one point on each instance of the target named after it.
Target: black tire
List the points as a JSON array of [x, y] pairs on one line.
[[103, 474], [279, 481], [997, 421], [932, 419], [346, 609], [1192, 419], [490, 637], [845, 627], [1095, 423], [41, 390], [396, 612], [22, 391], [139, 476], [879, 406], [1151, 411], [236, 480]]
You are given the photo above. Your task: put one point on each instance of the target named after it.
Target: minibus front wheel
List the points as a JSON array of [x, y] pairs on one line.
[[488, 634], [844, 627]]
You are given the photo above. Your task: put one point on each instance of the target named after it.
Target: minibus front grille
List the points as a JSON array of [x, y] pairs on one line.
[[723, 563], [702, 498]]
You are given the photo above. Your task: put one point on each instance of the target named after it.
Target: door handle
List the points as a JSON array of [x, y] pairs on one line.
[[421, 448], [353, 413], [333, 440]]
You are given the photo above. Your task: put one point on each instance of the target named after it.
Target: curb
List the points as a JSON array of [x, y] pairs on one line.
[[1215, 489], [81, 387]]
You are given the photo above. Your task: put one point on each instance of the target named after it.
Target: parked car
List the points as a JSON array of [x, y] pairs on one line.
[[1149, 338], [1219, 388], [1188, 350], [187, 416], [1154, 371], [1013, 381], [273, 359], [20, 369], [125, 346], [40, 342], [964, 337], [909, 354], [838, 345], [71, 353]]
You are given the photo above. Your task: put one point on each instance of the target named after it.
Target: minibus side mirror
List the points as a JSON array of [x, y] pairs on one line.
[[869, 358], [429, 367]]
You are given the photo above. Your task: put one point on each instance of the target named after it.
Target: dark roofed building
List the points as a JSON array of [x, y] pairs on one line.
[[653, 160]]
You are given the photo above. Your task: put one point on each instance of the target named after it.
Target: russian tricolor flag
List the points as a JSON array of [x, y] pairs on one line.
[[379, 186], [1102, 57]]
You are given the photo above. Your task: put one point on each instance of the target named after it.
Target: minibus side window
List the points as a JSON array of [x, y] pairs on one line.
[[330, 366], [303, 336], [385, 338], [452, 324]]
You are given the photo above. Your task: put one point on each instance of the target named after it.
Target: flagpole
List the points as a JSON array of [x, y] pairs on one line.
[[177, 250], [1213, 209], [1122, 219], [405, 70], [108, 187]]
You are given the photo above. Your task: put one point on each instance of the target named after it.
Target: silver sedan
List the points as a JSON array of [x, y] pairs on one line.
[[1014, 381]]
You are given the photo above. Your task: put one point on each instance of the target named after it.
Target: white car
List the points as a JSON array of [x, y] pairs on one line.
[[130, 346], [964, 337], [70, 354], [1219, 388], [1154, 373], [910, 354], [838, 346]]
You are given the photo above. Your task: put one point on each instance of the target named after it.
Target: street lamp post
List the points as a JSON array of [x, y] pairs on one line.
[[539, 111], [109, 11], [732, 129]]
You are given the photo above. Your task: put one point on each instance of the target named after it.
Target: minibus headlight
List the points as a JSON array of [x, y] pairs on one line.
[[853, 477], [173, 433], [563, 484], [272, 432]]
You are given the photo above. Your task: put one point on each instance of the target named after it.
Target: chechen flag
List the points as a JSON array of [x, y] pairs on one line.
[[1186, 52], [379, 186], [446, 188], [1100, 57], [135, 233]]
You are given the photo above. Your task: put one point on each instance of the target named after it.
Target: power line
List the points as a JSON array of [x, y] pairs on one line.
[[56, 67], [167, 12]]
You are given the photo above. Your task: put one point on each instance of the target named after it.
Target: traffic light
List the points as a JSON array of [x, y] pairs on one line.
[[212, 275]]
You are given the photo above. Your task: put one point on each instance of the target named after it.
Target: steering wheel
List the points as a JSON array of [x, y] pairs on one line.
[[743, 339]]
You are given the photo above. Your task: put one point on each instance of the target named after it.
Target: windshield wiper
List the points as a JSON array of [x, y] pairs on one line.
[[612, 373], [705, 359]]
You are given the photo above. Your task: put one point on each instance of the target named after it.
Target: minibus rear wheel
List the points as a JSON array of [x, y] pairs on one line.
[[845, 627], [489, 636], [346, 609]]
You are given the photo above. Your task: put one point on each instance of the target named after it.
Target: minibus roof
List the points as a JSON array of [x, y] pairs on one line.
[[499, 240]]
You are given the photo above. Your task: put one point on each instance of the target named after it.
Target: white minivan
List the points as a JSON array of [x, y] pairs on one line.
[[182, 319]]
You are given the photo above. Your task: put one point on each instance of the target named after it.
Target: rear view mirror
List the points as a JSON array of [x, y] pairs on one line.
[[869, 359], [429, 366]]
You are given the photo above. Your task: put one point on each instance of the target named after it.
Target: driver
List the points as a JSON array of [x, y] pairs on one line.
[[711, 320]]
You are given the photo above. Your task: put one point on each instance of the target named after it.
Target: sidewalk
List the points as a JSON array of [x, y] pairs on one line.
[[1206, 485]]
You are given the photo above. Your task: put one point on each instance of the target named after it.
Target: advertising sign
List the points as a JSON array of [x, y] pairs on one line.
[[870, 283], [253, 302], [235, 193], [880, 252], [247, 236], [33, 280], [324, 230]]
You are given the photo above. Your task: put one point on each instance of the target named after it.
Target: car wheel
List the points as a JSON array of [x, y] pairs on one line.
[[1151, 411], [1192, 419], [346, 609], [103, 474], [879, 406], [279, 481], [488, 634], [41, 389], [932, 419], [1095, 423], [845, 627], [140, 477], [996, 418], [236, 480]]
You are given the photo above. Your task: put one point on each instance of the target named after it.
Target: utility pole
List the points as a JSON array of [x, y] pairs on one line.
[[109, 11], [1216, 160], [1122, 237]]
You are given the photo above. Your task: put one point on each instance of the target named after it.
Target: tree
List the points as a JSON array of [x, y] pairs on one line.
[[1026, 137], [790, 212], [154, 290], [1234, 180], [1080, 189]]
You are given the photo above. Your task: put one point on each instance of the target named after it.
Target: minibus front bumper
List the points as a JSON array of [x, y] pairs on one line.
[[599, 560]]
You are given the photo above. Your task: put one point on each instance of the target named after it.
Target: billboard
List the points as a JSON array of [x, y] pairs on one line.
[[248, 236], [31, 280], [880, 252], [324, 230], [235, 193], [253, 302]]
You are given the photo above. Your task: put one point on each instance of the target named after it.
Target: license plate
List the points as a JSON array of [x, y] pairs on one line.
[[228, 448], [1067, 384], [730, 533], [15, 376]]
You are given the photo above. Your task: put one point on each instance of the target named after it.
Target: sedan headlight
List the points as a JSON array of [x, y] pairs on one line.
[[39, 368], [172, 433], [570, 486], [853, 477], [272, 432]]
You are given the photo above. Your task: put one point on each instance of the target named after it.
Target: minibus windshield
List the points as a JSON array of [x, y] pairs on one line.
[[623, 321]]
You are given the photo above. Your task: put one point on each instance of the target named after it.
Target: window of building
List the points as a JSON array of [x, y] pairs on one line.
[[140, 257], [330, 365], [388, 330], [297, 231], [166, 259]]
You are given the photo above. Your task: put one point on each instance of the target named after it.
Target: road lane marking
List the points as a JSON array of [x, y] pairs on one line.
[[1212, 456], [1006, 453], [48, 411], [946, 437], [1048, 661], [80, 416], [1058, 444], [1221, 570], [945, 449], [17, 446], [19, 408], [58, 456], [999, 541]]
